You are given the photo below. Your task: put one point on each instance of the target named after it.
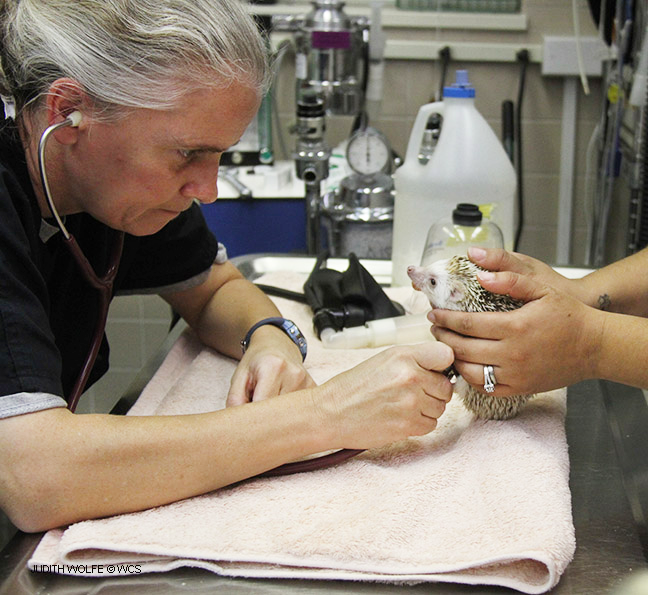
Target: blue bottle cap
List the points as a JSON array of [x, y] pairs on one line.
[[460, 88]]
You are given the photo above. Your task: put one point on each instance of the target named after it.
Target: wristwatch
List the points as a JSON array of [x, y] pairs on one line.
[[287, 326]]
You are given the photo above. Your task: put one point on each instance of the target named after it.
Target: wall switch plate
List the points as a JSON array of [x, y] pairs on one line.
[[559, 55]]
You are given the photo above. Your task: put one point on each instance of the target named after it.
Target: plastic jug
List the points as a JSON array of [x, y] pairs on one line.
[[468, 165], [452, 236]]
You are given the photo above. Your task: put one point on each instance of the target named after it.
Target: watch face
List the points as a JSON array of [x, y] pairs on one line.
[[368, 152]]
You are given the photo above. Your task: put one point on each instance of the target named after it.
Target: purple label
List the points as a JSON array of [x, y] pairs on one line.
[[331, 40]]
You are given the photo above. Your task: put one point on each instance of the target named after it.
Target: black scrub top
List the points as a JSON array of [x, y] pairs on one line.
[[47, 309]]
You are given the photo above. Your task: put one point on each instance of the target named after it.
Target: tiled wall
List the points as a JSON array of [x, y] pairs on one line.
[[410, 83], [136, 327]]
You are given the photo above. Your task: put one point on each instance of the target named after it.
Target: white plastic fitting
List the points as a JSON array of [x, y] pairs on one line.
[[400, 330]]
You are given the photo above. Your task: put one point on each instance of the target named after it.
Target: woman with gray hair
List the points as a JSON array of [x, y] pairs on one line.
[[117, 114]]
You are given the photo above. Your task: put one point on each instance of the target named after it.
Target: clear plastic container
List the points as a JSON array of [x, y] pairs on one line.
[[452, 236]]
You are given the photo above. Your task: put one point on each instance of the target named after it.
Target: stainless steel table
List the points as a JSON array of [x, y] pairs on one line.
[[607, 432]]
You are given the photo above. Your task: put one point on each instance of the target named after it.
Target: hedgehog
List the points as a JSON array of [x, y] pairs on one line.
[[452, 284]]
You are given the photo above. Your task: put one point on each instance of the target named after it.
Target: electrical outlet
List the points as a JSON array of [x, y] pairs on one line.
[[560, 57]]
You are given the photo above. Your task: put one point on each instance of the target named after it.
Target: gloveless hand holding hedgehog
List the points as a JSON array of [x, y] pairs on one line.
[[452, 284]]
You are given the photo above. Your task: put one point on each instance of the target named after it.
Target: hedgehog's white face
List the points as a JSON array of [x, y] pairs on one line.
[[438, 286]]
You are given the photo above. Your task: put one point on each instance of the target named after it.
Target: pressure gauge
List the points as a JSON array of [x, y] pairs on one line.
[[368, 152]]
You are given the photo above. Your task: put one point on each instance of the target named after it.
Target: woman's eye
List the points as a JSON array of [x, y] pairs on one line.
[[187, 154], [191, 155]]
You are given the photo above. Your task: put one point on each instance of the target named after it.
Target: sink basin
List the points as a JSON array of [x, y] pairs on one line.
[[254, 265]]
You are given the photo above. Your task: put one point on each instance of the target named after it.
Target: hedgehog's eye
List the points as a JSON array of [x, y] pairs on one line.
[[432, 281]]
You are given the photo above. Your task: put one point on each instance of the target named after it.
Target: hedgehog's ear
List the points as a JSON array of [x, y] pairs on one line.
[[456, 291]]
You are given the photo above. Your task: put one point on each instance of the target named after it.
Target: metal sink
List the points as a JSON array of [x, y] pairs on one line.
[[254, 265]]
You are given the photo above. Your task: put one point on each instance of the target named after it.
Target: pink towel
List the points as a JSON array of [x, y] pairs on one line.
[[475, 502]]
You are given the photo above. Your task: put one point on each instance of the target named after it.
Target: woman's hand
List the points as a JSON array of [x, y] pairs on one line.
[[271, 366], [550, 342], [501, 260], [397, 393]]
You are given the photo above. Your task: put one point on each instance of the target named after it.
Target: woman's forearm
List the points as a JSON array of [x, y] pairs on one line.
[[619, 287], [65, 468], [225, 291], [245, 304], [623, 353], [57, 467]]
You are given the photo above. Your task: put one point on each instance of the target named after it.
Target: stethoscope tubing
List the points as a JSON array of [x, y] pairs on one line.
[[103, 285], [313, 464]]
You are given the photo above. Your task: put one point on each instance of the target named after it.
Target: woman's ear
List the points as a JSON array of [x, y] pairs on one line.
[[64, 97]]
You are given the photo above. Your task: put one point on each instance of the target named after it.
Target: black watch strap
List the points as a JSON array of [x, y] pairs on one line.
[[287, 326]]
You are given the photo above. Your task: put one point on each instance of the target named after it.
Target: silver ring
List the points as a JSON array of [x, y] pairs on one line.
[[489, 379]]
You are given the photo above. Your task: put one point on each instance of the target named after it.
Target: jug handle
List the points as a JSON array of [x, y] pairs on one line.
[[416, 137]]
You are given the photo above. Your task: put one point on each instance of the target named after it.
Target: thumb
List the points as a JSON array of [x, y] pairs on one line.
[[238, 393], [519, 287], [434, 355], [497, 259]]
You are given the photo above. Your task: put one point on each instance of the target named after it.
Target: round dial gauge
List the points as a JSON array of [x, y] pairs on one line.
[[368, 152]]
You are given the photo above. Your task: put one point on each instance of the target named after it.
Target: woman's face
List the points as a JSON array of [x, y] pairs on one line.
[[140, 172]]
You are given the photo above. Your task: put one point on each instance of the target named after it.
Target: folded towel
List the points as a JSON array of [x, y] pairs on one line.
[[475, 502]]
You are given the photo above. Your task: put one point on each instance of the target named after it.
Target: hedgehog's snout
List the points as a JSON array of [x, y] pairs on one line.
[[416, 275], [411, 273]]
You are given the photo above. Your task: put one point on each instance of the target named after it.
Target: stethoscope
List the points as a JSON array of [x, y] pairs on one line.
[[103, 284]]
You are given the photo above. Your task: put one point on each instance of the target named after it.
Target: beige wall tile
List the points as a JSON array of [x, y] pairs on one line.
[[153, 307], [125, 338], [153, 335], [126, 306], [104, 394]]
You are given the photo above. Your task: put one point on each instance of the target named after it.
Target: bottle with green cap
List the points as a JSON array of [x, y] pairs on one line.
[[452, 236]]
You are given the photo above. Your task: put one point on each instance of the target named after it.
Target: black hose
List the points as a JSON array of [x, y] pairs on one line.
[[366, 59], [508, 129], [444, 56], [642, 235], [523, 58], [361, 121], [295, 296]]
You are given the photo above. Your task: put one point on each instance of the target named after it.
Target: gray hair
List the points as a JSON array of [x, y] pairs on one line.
[[128, 53]]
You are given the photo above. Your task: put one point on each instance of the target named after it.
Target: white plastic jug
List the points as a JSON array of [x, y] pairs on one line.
[[468, 165]]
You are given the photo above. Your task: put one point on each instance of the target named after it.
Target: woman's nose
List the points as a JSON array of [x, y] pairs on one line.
[[203, 187]]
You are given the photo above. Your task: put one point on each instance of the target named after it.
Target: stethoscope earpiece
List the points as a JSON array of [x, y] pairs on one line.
[[75, 118]]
